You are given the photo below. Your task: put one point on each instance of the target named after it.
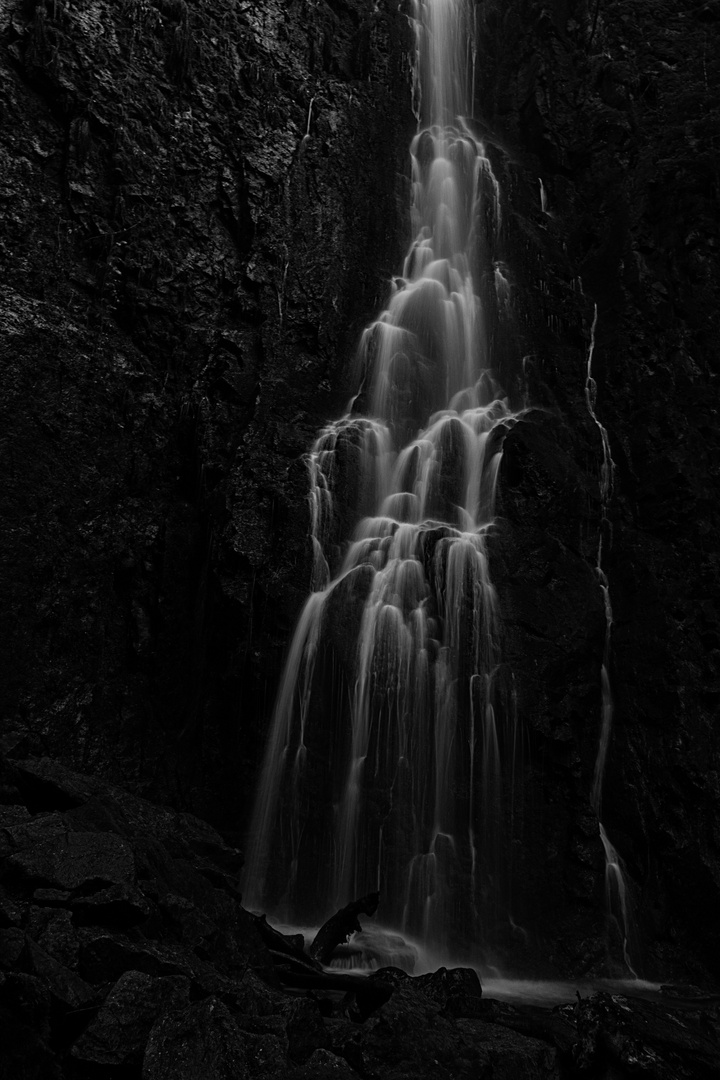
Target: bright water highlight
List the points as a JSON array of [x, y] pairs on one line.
[[392, 762]]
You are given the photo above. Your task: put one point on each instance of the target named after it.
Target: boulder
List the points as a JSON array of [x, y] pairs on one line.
[[108, 956], [119, 1032], [72, 860], [458, 989], [66, 987], [201, 1042]]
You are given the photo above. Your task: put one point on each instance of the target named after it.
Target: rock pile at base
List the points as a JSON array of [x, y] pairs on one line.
[[125, 952]]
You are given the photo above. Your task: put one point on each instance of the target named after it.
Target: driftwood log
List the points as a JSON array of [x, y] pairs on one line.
[[341, 926], [297, 970], [286, 950]]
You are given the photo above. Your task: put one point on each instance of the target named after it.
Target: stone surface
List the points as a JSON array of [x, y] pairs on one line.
[[610, 109], [200, 214], [202, 1042], [75, 860], [118, 1034], [190, 993]]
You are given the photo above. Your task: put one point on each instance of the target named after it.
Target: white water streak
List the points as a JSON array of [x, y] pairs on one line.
[[420, 720], [616, 891]]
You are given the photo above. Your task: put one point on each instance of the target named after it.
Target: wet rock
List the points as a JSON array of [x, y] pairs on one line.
[[305, 1030], [188, 922], [53, 930], [600, 257], [74, 859], [118, 907], [324, 1065], [118, 1034], [104, 957], [52, 897], [411, 1036], [643, 1038], [458, 989], [202, 1042], [46, 785], [12, 943], [266, 1055], [10, 912], [64, 985], [29, 830], [210, 341], [512, 1055], [12, 815]]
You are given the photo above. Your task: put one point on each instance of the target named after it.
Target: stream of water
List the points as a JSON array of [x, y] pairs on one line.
[[617, 896], [392, 759]]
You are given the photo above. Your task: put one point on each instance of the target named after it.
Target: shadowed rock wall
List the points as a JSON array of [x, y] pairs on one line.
[[612, 109], [202, 204]]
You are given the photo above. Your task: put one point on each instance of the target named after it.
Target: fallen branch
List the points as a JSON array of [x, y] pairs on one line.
[[341, 926]]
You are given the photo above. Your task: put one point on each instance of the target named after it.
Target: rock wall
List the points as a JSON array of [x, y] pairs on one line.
[[202, 205], [603, 119]]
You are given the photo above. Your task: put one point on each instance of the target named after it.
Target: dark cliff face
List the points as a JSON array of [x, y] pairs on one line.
[[612, 110], [202, 206]]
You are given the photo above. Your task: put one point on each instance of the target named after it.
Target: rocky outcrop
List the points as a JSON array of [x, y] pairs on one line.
[[601, 119], [200, 214], [180, 985]]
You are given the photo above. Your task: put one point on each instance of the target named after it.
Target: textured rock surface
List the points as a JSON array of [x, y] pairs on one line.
[[603, 121], [191, 992], [200, 212]]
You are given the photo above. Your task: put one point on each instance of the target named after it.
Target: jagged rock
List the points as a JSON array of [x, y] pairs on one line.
[[202, 1042], [9, 816], [29, 831], [104, 957], [266, 1055], [118, 907], [74, 860], [118, 1034], [305, 1030], [64, 985], [458, 989], [10, 912], [324, 1065], [246, 995], [47, 785], [187, 921], [412, 1037], [12, 943], [52, 929], [171, 354], [644, 1038], [52, 898]]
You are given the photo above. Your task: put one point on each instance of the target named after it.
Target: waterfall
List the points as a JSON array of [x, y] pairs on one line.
[[391, 761], [617, 898]]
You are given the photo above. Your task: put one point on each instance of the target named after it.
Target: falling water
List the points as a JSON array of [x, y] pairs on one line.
[[391, 758], [616, 891]]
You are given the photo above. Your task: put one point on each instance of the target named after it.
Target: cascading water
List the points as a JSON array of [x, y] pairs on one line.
[[616, 891], [391, 759]]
